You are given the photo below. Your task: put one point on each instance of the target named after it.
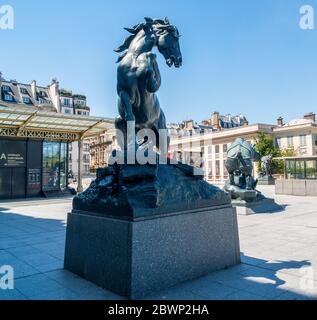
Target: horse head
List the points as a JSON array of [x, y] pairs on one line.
[[154, 32], [168, 42]]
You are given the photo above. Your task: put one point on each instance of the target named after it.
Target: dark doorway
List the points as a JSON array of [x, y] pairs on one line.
[[5, 183], [18, 182], [12, 183]]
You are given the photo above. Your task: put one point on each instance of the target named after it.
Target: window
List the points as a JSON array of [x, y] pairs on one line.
[[6, 88], [225, 148], [315, 139], [43, 101], [209, 150], [300, 169], [311, 169], [8, 97], [217, 150], [63, 167], [66, 102], [290, 142], [225, 171], [51, 166], [26, 100], [67, 111], [217, 169], [278, 143], [303, 142], [290, 169], [24, 91], [209, 169]]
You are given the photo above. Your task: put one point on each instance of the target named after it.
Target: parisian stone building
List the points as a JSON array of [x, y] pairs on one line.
[[205, 144], [50, 98], [100, 149]]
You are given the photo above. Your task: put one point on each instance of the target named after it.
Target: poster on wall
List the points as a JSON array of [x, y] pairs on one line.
[[34, 180], [50, 179], [12, 153]]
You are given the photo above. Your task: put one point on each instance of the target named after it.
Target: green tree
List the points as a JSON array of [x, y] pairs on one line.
[[265, 146]]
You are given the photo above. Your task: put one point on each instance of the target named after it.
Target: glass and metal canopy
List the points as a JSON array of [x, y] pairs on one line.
[[28, 122]]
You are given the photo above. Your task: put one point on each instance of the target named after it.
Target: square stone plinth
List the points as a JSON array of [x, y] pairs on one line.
[[137, 258]]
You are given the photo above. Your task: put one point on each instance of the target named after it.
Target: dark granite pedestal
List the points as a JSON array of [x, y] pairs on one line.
[[138, 257]]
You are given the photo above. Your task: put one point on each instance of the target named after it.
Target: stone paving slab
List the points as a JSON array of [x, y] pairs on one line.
[[278, 253]]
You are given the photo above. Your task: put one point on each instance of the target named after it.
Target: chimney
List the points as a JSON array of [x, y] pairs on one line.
[[190, 124], [33, 89], [280, 122], [215, 120], [310, 116], [54, 94]]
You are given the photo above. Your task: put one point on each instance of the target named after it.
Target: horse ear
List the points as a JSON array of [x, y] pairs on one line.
[[148, 20], [133, 31]]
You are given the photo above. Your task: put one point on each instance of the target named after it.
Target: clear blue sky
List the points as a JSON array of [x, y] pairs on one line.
[[240, 56]]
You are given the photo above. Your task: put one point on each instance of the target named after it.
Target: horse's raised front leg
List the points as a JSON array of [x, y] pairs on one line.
[[126, 106], [153, 74]]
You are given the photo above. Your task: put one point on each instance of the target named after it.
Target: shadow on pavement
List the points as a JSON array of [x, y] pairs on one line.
[[35, 245]]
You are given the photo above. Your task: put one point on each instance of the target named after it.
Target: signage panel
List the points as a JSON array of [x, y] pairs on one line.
[[12, 154]]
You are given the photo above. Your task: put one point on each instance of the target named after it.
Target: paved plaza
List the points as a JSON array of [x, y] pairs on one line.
[[278, 253]]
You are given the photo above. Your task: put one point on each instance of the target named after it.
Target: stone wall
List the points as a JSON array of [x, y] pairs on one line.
[[296, 187]]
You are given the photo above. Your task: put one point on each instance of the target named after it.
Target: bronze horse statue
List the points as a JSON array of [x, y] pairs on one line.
[[139, 79]]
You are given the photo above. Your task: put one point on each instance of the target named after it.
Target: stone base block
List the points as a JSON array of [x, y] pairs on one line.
[[266, 205], [266, 181], [141, 257]]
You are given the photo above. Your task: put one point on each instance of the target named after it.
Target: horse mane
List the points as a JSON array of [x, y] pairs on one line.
[[159, 23]]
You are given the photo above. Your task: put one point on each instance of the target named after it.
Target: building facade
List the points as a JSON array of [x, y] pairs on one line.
[[76, 104], [30, 167], [299, 135], [209, 150], [100, 149], [206, 144], [34, 148], [50, 98], [14, 93]]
